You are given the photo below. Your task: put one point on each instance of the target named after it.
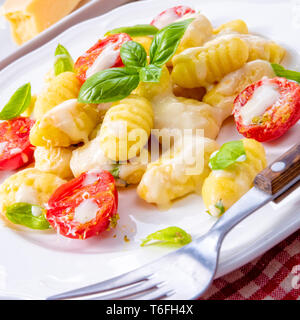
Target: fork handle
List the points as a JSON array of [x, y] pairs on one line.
[[280, 173]]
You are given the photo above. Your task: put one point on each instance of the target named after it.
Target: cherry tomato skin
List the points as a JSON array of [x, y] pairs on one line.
[[85, 61], [16, 150], [277, 118], [62, 204], [178, 11]]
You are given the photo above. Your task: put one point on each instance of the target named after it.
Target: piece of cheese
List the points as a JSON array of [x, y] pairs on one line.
[[30, 17]]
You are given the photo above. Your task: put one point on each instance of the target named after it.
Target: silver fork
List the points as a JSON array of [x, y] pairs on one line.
[[188, 272]]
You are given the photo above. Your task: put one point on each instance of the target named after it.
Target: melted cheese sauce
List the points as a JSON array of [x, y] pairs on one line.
[[89, 157], [263, 97], [3, 146], [86, 211], [167, 18], [117, 129], [173, 113], [15, 151], [91, 177], [26, 194], [106, 59], [63, 120], [36, 211]]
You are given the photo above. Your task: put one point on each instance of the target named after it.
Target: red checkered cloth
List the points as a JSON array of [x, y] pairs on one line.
[[273, 276]]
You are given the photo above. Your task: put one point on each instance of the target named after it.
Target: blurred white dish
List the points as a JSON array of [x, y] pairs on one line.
[[86, 9]]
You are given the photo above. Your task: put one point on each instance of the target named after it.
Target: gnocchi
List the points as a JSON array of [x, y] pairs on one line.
[[54, 160], [64, 87], [222, 95], [202, 66], [90, 156], [172, 177], [68, 123], [225, 187], [126, 128], [30, 186]]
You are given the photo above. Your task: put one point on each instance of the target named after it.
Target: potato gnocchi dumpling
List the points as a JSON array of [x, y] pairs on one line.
[[145, 41], [54, 160], [90, 157], [265, 49], [224, 187], [202, 66], [30, 186], [197, 33], [68, 123], [126, 128], [64, 87], [223, 94], [133, 171], [154, 90], [171, 112], [238, 26], [172, 177], [186, 114]]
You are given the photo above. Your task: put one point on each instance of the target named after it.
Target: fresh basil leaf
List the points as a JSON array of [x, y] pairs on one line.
[[228, 154], [115, 171], [170, 235], [135, 31], [150, 73], [22, 213], [109, 85], [17, 104], [166, 42], [280, 71], [63, 60], [133, 54], [219, 205]]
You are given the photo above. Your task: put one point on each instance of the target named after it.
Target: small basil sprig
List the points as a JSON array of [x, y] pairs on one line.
[[280, 71], [21, 213], [109, 85], [63, 60], [135, 31], [228, 154], [115, 171], [117, 83], [219, 206], [166, 42], [133, 54], [150, 73], [17, 104], [171, 236]]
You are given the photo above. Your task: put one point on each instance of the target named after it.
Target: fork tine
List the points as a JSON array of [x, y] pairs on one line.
[[127, 293], [159, 294], [122, 281]]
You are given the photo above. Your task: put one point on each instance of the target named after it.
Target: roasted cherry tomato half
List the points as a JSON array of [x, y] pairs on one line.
[[15, 147], [84, 206], [107, 53], [267, 109], [171, 15]]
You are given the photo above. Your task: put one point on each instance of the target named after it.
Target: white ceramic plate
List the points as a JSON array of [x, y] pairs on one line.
[[35, 265]]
